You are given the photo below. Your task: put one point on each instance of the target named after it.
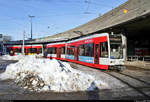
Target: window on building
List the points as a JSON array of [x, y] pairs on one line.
[[104, 49]]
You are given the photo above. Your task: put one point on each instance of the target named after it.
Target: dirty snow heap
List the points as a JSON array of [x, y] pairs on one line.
[[49, 75]]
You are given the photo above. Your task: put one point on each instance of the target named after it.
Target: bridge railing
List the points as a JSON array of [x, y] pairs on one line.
[[138, 58]]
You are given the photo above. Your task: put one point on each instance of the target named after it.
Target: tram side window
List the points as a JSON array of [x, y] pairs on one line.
[[81, 50], [9, 49], [104, 49], [25, 50], [70, 51], [49, 51], [18, 50], [86, 50], [54, 50], [63, 50], [40, 50], [32, 50]]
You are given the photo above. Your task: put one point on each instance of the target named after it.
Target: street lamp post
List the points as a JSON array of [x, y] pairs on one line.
[[31, 25], [31, 32]]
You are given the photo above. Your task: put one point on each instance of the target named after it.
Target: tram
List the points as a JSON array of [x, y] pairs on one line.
[[28, 49], [103, 51]]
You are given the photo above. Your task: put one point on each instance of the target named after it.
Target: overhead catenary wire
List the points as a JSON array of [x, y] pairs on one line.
[[88, 4]]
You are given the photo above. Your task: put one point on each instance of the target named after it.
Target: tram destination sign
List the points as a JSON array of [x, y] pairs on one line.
[[115, 39]]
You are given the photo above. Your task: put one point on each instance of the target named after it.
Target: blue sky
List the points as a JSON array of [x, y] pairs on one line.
[[51, 16]]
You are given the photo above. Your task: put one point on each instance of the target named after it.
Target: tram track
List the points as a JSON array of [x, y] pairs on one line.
[[137, 68], [127, 83], [135, 78], [127, 80]]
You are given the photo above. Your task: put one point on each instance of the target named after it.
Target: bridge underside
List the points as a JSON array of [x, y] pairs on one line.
[[138, 38], [137, 33]]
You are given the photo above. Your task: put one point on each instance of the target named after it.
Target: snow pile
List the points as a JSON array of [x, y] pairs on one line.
[[44, 75], [7, 57]]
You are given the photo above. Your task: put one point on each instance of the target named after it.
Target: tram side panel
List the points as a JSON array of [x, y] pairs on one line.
[[87, 52], [14, 50], [28, 50], [56, 51], [34, 50]]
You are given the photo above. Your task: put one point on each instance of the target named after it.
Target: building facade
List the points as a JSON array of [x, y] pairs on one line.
[[3, 39]]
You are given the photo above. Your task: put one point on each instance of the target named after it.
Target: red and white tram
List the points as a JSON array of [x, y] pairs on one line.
[[14, 49], [101, 51], [56, 50], [28, 49], [35, 49]]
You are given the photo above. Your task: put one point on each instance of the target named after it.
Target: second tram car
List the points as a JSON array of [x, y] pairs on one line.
[[28, 49], [56, 50]]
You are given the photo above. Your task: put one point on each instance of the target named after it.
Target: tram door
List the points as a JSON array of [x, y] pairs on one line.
[[59, 53], [104, 55], [77, 53], [96, 53]]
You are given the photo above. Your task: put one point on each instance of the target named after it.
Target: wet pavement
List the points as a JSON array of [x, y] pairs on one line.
[[133, 84]]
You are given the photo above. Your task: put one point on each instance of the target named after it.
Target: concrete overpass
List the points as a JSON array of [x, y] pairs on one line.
[[115, 20]]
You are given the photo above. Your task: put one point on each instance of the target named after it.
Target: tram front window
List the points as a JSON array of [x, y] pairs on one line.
[[116, 50]]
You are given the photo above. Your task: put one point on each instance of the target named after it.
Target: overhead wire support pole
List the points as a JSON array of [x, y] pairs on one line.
[[31, 26], [31, 32], [23, 43]]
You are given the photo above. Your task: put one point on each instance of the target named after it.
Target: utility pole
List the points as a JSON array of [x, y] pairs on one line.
[[31, 24], [31, 30], [23, 43]]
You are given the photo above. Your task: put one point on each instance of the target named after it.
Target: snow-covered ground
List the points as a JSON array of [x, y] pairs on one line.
[[8, 57], [48, 75]]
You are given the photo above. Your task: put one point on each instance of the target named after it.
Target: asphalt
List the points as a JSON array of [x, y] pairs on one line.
[[135, 81]]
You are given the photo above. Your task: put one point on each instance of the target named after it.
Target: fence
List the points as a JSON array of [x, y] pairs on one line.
[[138, 58]]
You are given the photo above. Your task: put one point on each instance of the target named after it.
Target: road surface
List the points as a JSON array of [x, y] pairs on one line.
[[131, 84]]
